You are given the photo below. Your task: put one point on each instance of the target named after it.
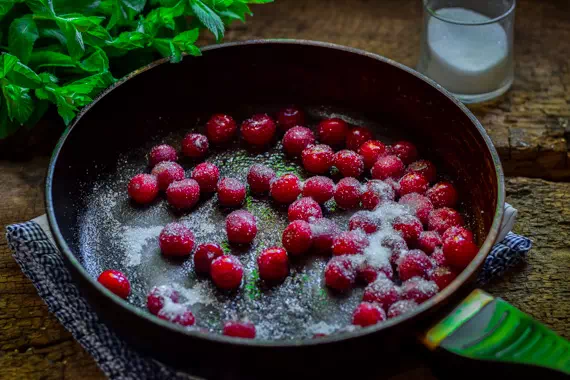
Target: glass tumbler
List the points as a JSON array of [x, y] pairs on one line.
[[467, 47]]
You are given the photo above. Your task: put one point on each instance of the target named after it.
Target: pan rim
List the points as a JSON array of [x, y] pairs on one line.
[[446, 293]]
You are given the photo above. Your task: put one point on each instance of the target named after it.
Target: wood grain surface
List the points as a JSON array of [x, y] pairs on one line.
[[529, 126]]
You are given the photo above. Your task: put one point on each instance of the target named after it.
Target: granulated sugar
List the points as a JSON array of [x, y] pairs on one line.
[[134, 239]]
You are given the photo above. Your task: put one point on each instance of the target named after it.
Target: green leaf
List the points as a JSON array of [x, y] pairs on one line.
[[7, 63], [41, 7], [22, 75], [187, 37], [164, 3], [48, 78], [162, 17], [97, 36], [83, 23], [96, 62], [90, 84], [54, 33], [208, 18], [18, 102], [46, 58], [124, 11], [6, 6], [75, 45], [81, 6], [23, 33], [131, 40], [236, 11]]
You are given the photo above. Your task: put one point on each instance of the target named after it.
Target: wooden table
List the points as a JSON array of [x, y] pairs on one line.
[[530, 127]]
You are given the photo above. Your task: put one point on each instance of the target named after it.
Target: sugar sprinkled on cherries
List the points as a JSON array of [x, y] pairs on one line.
[[162, 153], [239, 329], [305, 208], [207, 175], [297, 237], [349, 163], [183, 194], [371, 151], [387, 167], [259, 178], [258, 130], [347, 193], [241, 227], [358, 136], [320, 188], [143, 188], [226, 272], [367, 314], [290, 117], [176, 239], [195, 145], [286, 188], [221, 128], [205, 254], [297, 139], [231, 192], [317, 159], [167, 172]]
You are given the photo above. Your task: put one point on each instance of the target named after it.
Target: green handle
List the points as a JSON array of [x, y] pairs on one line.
[[487, 328]]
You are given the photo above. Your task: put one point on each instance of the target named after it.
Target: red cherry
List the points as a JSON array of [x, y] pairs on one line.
[[412, 183], [429, 241], [273, 264], [258, 130], [176, 239], [441, 219], [241, 227], [143, 188], [226, 272], [116, 282], [324, 231], [207, 175], [371, 151], [458, 247], [205, 254], [162, 153], [368, 314], [231, 192], [358, 136], [457, 233], [377, 192], [442, 276], [340, 273], [178, 314], [297, 237], [443, 194], [239, 329], [409, 227], [158, 296], [418, 204], [289, 117], [414, 264], [370, 271], [349, 243], [317, 158], [387, 167], [297, 139], [167, 172], [406, 151], [221, 128], [286, 188], [382, 291], [320, 188], [347, 193], [259, 178], [183, 194], [362, 220], [304, 209], [349, 163], [419, 290], [401, 307], [332, 131], [423, 167], [195, 145]]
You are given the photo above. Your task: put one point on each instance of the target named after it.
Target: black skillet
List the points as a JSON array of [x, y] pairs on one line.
[[97, 228]]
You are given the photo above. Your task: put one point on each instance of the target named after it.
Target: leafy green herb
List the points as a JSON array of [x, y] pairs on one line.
[[251, 285], [226, 247], [64, 52]]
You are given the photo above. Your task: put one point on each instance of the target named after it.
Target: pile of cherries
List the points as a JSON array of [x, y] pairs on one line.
[[431, 245]]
